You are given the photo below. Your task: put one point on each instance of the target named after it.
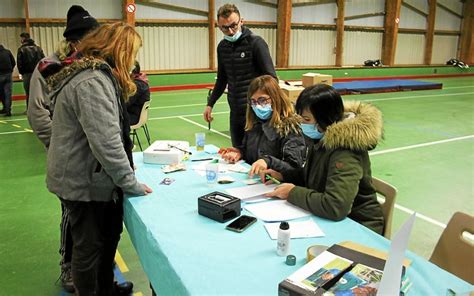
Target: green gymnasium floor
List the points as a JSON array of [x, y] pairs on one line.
[[427, 154]]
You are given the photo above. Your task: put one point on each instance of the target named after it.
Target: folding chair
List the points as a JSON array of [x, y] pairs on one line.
[[389, 193], [141, 123], [453, 252]]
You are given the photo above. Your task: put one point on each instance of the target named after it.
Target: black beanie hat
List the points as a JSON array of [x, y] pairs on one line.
[[79, 22]]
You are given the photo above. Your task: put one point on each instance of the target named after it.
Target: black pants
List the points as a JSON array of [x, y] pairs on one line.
[[65, 248], [6, 84], [237, 128], [95, 229], [26, 85]]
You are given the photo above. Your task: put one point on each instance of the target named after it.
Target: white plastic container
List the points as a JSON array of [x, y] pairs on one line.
[[283, 240], [165, 152]]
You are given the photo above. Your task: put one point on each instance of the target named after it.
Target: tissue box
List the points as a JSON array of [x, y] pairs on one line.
[[165, 152], [316, 78]]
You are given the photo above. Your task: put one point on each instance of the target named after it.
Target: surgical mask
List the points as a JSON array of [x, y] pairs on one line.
[[233, 38], [311, 131], [263, 112]]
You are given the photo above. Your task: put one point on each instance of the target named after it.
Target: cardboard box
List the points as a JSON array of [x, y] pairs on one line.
[[316, 78], [292, 92]]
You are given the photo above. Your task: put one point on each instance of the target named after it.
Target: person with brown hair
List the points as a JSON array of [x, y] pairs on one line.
[[273, 137], [90, 165], [241, 57]]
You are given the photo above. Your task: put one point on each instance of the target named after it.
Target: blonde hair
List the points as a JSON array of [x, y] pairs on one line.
[[281, 105], [117, 44]]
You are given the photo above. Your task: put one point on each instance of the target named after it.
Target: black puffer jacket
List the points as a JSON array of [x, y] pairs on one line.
[[29, 54], [283, 147], [238, 64]]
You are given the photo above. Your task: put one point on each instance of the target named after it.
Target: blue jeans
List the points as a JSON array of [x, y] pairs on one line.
[[6, 84]]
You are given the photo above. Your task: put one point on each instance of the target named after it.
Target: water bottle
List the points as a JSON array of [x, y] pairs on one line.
[[283, 241]]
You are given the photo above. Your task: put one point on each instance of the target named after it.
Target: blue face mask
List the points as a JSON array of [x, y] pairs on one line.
[[233, 38], [311, 131], [263, 112]]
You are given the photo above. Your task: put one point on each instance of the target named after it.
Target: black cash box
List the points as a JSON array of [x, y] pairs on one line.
[[219, 206]]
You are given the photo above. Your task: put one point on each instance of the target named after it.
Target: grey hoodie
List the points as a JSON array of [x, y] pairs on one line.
[[86, 157]]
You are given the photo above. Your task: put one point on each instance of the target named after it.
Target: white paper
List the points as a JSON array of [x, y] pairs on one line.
[[276, 210], [298, 229], [392, 272], [251, 191]]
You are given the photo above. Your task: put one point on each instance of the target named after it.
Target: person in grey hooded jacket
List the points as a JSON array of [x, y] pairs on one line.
[[89, 162]]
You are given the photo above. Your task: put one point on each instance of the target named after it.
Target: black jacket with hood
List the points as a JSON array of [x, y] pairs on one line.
[[29, 54], [239, 63], [7, 62]]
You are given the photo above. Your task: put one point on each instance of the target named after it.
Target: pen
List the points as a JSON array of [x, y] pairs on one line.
[[180, 149], [202, 159], [268, 177], [209, 125]]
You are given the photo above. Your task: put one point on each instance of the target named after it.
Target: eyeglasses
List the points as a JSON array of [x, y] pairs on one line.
[[259, 101], [232, 26]]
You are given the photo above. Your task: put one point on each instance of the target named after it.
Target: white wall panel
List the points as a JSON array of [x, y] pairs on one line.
[[315, 14], [360, 46], [444, 48], [251, 11], [410, 19], [47, 36], [58, 8], [410, 49], [358, 7], [311, 47], [446, 20], [11, 9], [149, 12], [169, 47]]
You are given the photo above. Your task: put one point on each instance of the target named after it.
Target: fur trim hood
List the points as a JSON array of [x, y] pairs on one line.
[[361, 129], [65, 74], [288, 125]]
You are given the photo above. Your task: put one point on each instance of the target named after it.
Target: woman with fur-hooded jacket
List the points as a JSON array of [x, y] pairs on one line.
[[336, 181], [273, 137]]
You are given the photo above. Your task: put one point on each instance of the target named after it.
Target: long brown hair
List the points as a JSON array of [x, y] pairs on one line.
[[281, 105], [117, 44]]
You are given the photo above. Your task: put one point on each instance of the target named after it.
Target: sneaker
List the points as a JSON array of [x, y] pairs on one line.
[[66, 278], [7, 114], [3, 111], [123, 289]]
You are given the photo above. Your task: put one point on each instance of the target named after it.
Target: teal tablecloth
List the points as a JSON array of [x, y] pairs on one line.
[[185, 253]]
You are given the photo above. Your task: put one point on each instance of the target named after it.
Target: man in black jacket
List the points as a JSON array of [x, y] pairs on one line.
[[241, 57], [7, 63], [29, 54]]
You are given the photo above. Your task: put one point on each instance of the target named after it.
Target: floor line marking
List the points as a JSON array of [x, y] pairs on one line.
[[454, 87], [120, 262], [421, 216], [422, 96], [16, 125], [186, 115], [204, 127], [185, 105], [420, 145], [15, 132]]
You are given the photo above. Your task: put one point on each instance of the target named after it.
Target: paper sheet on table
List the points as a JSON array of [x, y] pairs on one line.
[[276, 210], [298, 229], [251, 192]]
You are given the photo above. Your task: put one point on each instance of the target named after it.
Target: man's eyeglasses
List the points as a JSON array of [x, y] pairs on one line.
[[232, 26], [259, 101]]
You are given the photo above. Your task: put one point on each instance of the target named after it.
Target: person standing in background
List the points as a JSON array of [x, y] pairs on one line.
[[7, 63], [28, 56], [241, 57]]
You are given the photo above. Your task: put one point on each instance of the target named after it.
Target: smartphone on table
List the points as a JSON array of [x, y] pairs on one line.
[[241, 223]]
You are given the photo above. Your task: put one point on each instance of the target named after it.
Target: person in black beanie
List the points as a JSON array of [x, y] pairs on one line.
[[79, 22]]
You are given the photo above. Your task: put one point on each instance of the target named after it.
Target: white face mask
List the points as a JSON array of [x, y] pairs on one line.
[[233, 38]]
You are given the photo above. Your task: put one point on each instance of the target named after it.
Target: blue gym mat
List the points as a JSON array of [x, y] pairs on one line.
[[388, 85]]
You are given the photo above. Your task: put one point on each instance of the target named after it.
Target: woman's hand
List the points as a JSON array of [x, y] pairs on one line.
[[281, 191], [257, 167], [274, 174], [231, 155]]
